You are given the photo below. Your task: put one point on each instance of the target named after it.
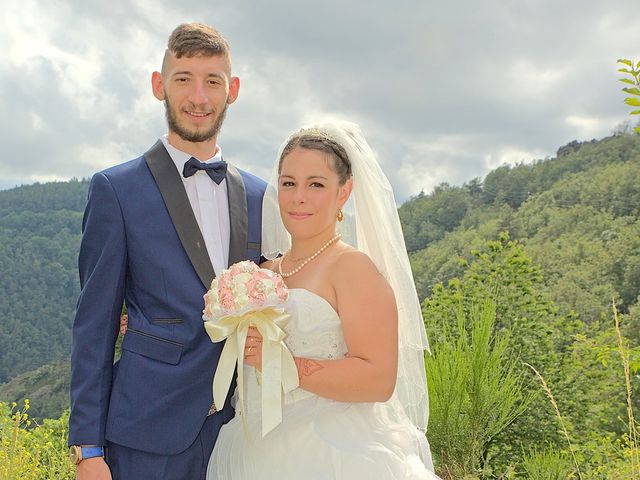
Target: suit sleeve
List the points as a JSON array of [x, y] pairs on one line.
[[102, 265]]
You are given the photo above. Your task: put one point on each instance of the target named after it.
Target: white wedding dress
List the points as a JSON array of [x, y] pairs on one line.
[[319, 438]]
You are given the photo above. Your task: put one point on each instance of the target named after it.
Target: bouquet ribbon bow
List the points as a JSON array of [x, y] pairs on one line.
[[279, 372]]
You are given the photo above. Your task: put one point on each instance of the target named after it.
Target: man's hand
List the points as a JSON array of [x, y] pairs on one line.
[[93, 469], [124, 323]]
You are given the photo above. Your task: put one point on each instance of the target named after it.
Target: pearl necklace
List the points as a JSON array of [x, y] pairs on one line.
[[303, 264]]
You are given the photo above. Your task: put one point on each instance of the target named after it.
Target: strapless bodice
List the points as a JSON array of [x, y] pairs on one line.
[[313, 331]]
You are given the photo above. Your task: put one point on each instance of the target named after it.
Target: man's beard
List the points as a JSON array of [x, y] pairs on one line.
[[192, 136]]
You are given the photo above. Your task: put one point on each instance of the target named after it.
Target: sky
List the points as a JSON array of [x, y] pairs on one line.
[[443, 91]]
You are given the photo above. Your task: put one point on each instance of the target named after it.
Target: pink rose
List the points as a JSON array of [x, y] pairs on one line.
[[257, 298], [227, 303], [223, 283], [251, 285], [226, 298], [234, 270]]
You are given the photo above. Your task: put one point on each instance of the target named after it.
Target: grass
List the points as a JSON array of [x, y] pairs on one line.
[[623, 350]]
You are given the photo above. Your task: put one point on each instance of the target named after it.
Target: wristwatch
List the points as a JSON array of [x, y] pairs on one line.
[[78, 453]]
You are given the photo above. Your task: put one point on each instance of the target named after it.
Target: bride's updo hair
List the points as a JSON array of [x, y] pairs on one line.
[[315, 139]]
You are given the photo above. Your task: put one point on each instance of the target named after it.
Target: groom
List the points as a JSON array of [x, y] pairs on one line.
[[156, 230]]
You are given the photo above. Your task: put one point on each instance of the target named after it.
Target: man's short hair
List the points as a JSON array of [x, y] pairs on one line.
[[192, 39]]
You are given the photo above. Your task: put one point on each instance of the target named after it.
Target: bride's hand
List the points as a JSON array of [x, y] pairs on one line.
[[253, 349]]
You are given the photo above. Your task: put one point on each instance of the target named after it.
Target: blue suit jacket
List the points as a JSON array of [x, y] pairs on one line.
[[141, 244]]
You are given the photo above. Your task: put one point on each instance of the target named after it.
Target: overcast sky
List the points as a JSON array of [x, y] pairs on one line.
[[444, 91]]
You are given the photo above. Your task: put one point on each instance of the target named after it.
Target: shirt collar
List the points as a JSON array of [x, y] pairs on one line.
[[179, 157]]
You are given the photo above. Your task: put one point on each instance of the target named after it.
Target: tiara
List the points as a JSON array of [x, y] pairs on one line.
[[316, 132]]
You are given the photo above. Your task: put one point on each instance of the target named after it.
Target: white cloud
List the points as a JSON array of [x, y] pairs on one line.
[[444, 92], [531, 81], [586, 126], [510, 155]]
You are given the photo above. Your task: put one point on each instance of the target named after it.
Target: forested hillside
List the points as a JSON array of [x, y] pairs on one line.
[[39, 239], [576, 214]]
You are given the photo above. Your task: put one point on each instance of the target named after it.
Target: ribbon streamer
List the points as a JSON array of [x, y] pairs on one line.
[[279, 372]]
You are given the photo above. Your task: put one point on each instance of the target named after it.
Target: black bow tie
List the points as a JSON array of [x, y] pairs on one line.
[[216, 170]]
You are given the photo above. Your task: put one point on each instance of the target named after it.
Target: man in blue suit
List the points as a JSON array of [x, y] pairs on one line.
[[155, 232]]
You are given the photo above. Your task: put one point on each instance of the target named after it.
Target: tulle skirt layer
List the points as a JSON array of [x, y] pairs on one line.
[[321, 439]]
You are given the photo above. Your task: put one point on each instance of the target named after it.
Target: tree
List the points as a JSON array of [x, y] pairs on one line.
[[632, 71], [500, 273]]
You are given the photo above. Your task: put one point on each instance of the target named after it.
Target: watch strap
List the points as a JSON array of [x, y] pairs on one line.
[[90, 452]]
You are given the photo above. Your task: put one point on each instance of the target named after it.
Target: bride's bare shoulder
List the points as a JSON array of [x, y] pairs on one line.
[[356, 279], [351, 262]]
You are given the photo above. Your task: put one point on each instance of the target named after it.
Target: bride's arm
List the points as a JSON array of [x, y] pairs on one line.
[[368, 313]]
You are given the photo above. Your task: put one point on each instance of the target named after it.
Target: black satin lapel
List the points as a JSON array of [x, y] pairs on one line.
[[238, 216], [175, 198]]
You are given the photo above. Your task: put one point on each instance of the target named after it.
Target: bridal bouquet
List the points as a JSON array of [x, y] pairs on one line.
[[246, 295]]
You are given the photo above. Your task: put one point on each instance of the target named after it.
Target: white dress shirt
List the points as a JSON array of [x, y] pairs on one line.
[[210, 206]]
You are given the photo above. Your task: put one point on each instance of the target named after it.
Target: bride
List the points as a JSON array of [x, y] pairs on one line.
[[355, 332]]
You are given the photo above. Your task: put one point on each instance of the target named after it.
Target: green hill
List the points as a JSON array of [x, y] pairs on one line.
[[46, 388], [577, 215], [39, 239]]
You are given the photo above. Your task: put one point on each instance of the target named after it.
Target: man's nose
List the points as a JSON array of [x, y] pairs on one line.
[[198, 94]]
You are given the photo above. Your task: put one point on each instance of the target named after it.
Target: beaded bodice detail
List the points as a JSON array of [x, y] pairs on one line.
[[314, 331]]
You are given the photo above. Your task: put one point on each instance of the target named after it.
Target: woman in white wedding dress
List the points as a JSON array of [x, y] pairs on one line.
[[355, 332]]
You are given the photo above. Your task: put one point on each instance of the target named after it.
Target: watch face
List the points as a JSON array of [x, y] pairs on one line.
[[75, 454]]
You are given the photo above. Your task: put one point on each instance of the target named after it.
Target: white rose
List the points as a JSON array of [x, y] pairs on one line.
[[241, 278]]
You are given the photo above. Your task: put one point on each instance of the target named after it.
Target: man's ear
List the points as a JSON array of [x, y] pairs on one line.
[[234, 89], [157, 85]]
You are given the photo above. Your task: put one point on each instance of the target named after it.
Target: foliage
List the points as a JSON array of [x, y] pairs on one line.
[[39, 240], [554, 184], [580, 225], [32, 452], [428, 218], [501, 271], [46, 388], [602, 453], [632, 71], [561, 420], [474, 389], [547, 464], [580, 362]]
